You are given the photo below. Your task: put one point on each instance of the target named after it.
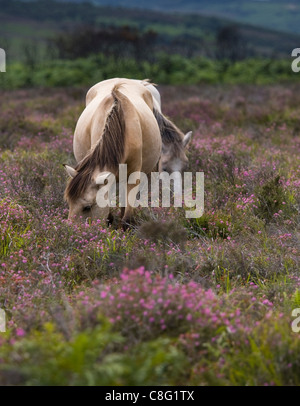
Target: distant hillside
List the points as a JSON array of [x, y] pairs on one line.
[[188, 34], [279, 15]]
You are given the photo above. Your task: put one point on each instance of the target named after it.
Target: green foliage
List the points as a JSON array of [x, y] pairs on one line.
[[11, 240], [211, 226], [272, 358], [90, 357], [168, 69], [296, 299], [271, 198], [13, 225]]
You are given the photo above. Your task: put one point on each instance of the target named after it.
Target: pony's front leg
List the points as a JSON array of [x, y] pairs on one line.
[[110, 218], [127, 212]]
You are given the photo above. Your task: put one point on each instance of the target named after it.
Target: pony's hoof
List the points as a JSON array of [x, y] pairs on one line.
[[127, 224], [110, 219]]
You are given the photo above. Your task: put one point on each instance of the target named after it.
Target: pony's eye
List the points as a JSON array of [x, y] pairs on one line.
[[86, 208]]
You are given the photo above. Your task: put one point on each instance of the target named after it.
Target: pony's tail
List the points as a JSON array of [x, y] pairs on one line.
[[113, 138]]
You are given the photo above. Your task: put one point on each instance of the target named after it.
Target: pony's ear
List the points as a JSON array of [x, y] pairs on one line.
[[70, 171], [187, 138]]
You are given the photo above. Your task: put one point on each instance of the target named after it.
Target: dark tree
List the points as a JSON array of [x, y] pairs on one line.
[[230, 44], [119, 42]]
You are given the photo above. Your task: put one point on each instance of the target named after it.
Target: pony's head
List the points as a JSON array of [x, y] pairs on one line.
[[173, 156], [174, 145], [81, 194]]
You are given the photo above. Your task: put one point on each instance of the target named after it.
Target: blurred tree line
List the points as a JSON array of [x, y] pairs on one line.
[[130, 42], [81, 46], [118, 42]]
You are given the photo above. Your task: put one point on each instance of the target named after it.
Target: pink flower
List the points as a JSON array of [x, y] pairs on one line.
[[20, 332]]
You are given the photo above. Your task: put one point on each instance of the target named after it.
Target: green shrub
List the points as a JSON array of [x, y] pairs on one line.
[[208, 225], [91, 357], [271, 198], [168, 69]]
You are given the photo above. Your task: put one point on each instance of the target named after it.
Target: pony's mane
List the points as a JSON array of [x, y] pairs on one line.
[[107, 153], [170, 134], [148, 81]]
